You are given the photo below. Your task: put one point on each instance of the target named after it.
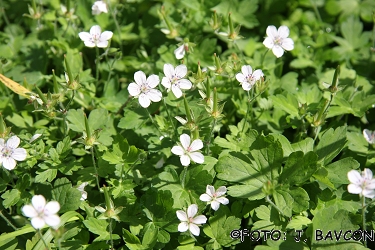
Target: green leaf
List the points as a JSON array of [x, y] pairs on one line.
[[68, 197], [150, 236], [98, 118], [221, 224], [298, 168], [284, 202], [76, 120], [288, 103], [337, 171], [48, 174], [132, 119], [301, 199], [11, 197], [99, 227], [305, 145], [331, 143], [122, 152], [298, 222]]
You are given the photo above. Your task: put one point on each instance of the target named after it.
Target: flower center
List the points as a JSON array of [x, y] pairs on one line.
[[6, 152], [95, 38], [278, 40], [188, 149]]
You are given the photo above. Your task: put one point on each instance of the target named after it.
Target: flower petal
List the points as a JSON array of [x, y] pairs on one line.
[[283, 31], [90, 44], [247, 86], [9, 163], [197, 157], [37, 222], [166, 82], [177, 150], [106, 35], [210, 190], [144, 100], [176, 90], [180, 52], [168, 70], [367, 174], [288, 44], [102, 44], [185, 160], [277, 51], [52, 220], [52, 207], [134, 89], [13, 142], [185, 84], [153, 81], [194, 229], [39, 202], [154, 95], [221, 191], [215, 205], [85, 36], [205, 197], [19, 154], [29, 211], [181, 71], [222, 200], [140, 78], [185, 141], [355, 177], [268, 42], [240, 77], [258, 74], [192, 210], [200, 219], [95, 30], [354, 189], [181, 215], [246, 70], [271, 32], [183, 226], [196, 145], [369, 193]]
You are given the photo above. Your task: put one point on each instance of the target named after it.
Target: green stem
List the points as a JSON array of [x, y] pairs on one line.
[[170, 119], [8, 221], [274, 205], [94, 164], [264, 56], [183, 177], [210, 138], [116, 22], [97, 66], [110, 233], [41, 237], [364, 218], [247, 111], [153, 121]]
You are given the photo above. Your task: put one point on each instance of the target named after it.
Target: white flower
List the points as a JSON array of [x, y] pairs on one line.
[[95, 37], [215, 198], [34, 137], [144, 89], [278, 40], [99, 7], [361, 184], [189, 220], [181, 120], [10, 153], [173, 79], [42, 213], [369, 136], [180, 51], [81, 188], [187, 151], [248, 78]]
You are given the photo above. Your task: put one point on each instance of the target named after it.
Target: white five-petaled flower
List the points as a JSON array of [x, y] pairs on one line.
[[369, 136], [248, 78], [187, 151], [81, 188], [215, 198], [277, 40], [144, 88], [42, 213], [364, 184], [95, 37], [189, 220], [180, 51], [173, 79], [99, 7], [10, 153]]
